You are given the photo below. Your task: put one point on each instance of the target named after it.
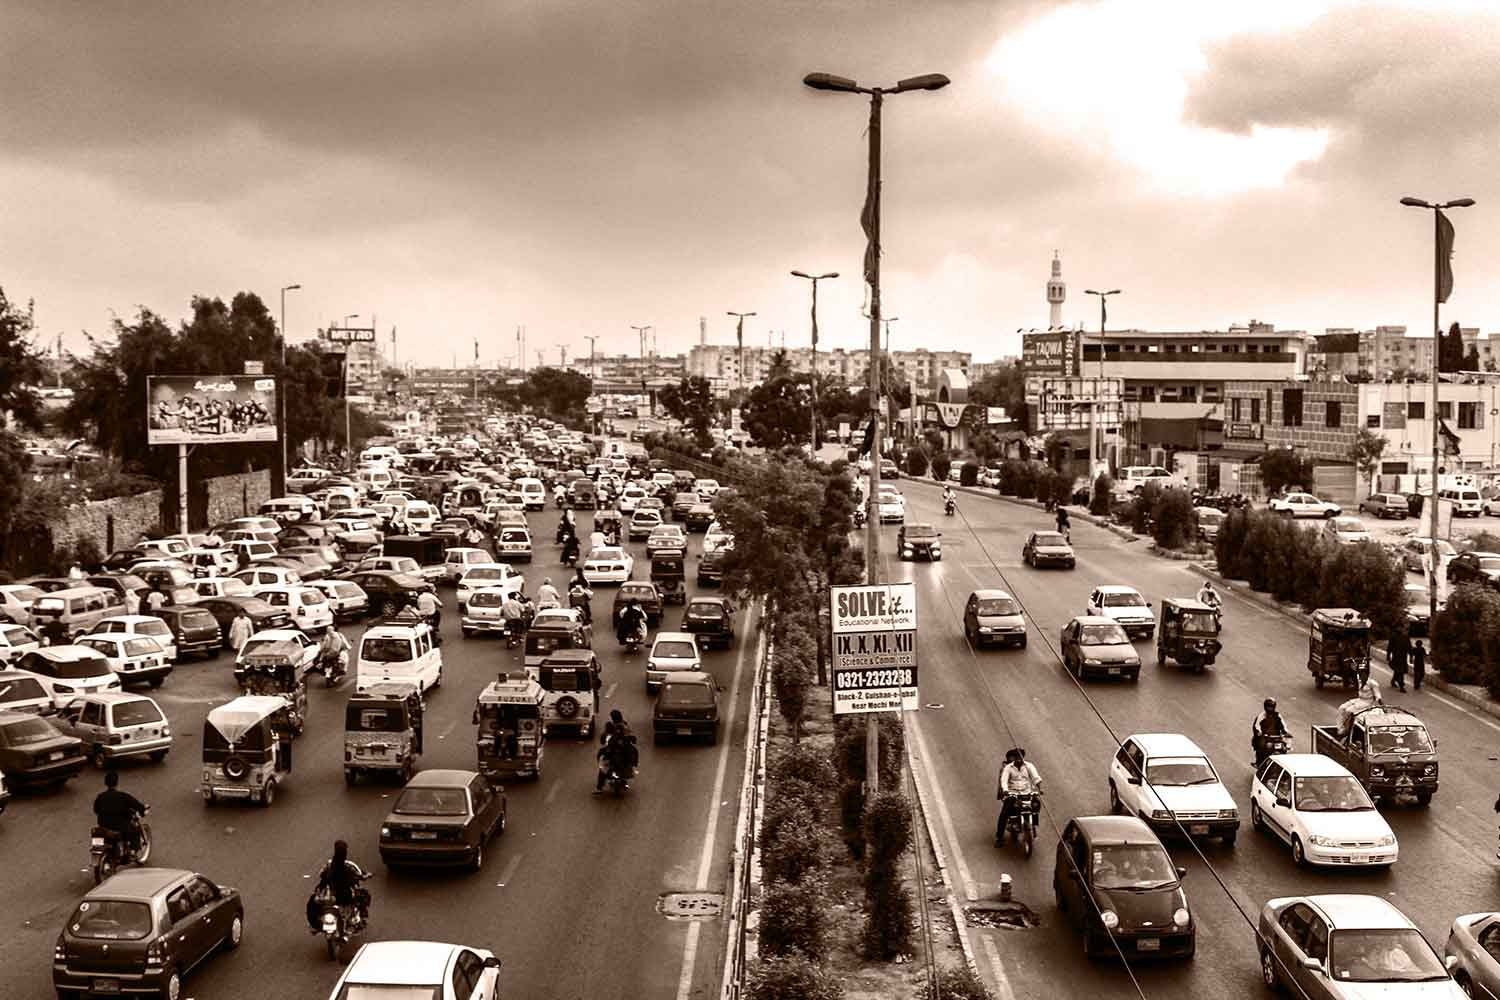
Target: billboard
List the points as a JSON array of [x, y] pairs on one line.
[[1065, 403], [874, 648], [210, 409]]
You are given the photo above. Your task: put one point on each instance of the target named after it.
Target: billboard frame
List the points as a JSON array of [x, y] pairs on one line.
[[164, 394]]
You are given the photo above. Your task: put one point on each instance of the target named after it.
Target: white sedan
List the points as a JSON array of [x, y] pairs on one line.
[[629, 497], [1304, 505], [608, 565], [1126, 607], [489, 576], [1321, 810], [891, 506], [420, 969], [1166, 780]]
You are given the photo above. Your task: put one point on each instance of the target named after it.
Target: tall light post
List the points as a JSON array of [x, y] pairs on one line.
[[870, 221], [281, 387], [1094, 409], [739, 339], [591, 338], [348, 433], [815, 278], [1442, 285]]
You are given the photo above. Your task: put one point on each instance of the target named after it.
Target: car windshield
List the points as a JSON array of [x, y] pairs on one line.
[[111, 920], [514, 535], [606, 555], [685, 695], [1132, 866], [1179, 771], [705, 609], [14, 689], [136, 713], [140, 647], [1331, 793], [1050, 539], [486, 599], [24, 594], [433, 802], [486, 573], [675, 649], [1382, 955], [1488, 562], [629, 593], [15, 635], [1102, 635], [1400, 739], [920, 531], [1130, 600], [384, 650], [234, 588], [26, 732], [997, 606], [1347, 524]]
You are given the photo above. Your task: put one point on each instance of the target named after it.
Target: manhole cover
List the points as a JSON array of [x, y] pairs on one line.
[[690, 905]]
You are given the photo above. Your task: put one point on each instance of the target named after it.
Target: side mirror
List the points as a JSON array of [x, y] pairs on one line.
[[1450, 962], [492, 962], [1283, 802], [1181, 872], [1312, 964], [1133, 780]]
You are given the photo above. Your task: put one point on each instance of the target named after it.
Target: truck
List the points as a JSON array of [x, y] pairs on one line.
[[1388, 749]]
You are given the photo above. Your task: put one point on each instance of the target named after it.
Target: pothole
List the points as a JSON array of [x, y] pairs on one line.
[[999, 914], [690, 905]]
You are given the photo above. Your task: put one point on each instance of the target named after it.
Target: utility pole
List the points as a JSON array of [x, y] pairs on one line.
[[280, 390], [1094, 423], [815, 278], [540, 360], [562, 355], [593, 373], [739, 339]]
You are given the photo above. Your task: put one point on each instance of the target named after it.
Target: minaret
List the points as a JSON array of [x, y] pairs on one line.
[[1056, 292]]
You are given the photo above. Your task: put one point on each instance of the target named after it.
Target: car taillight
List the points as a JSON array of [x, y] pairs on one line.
[[155, 954], [115, 739]]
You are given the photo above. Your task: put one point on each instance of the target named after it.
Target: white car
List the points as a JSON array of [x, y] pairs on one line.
[[137, 659], [717, 539], [672, 652], [1304, 505], [306, 605], [891, 505], [346, 598], [1126, 607], [258, 524], [390, 564], [706, 488], [269, 576], [608, 565], [164, 548], [513, 542], [1346, 531], [456, 562], [221, 586], [16, 641], [1166, 780], [489, 576], [210, 562], [1321, 810], [420, 516], [629, 497], [66, 672], [15, 602], [147, 625]]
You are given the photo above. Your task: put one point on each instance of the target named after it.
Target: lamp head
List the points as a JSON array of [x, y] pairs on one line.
[[801, 274], [927, 81], [827, 81], [1459, 203], [1410, 202]]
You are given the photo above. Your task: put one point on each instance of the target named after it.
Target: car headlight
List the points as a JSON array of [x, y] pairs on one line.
[[1230, 813], [1134, 661], [1109, 919], [1161, 814], [1388, 840], [1430, 769], [1376, 771], [385, 833], [1180, 916], [985, 629], [1318, 840], [1089, 661]]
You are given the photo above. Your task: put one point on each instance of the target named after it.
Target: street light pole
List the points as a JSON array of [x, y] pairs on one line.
[[1094, 408], [1439, 294], [348, 434], [815, 278], [871, 222], [739, 339], [591, 338], [281, 389]]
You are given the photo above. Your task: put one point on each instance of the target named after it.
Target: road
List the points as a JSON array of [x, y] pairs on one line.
[[567, 897], [977, 704]]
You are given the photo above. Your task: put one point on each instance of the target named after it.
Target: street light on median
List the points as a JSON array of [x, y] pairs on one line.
[[815, 278], [281, 385]]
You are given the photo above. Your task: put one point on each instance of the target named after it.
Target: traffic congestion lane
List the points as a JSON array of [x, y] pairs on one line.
[[567, 896], [1027, 691]]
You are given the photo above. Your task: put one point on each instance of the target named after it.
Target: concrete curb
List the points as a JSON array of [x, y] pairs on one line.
[[1470, 694]]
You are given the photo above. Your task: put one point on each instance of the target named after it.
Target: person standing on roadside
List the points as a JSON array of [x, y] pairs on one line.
[[240, 630], [155, 600], [1418, 665], [1396, 651], [132, 603]]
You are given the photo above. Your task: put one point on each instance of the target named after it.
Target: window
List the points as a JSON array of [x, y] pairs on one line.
[[1373, 420], [1416, 410], [1445, 410], [1188, 394], [1211, 394], [1334, 414], [1234, 409], [1255, 410], [1470, 416], [1291, 407], [1148, 393]]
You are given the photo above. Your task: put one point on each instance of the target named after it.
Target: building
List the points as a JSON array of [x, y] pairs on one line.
[[632, 367], [1388, 352], [720, 364], [1057, 292]]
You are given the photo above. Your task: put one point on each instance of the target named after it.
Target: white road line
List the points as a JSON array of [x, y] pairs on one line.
[[971, 892], [552, 792], [609, 692], [1002, 984], [715, 807], [510, 870]]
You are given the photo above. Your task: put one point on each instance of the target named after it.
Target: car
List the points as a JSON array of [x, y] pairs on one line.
[[570, 684], [665, 536], [1095, 645], [210, 562], [642, 592], [711, 618], [1464, 500], [1384, 505], [15, 602], [308, 560], [34, 754], [1414, 552], [262, 524], [1475, 567], [1116, 884], [684, 502], [889, 469], [224, 609], [24, 693], [113, 726], [420, 516], [1047, 548], [15, 642], [1472, 953], [698, 517], [1418, 610], [716, 538], [919, 541], [630, 496], [489, 576], [345, 598], [890, 506], [249, 550], [609, 564], [68, 671], [1345, 531], [136, 659], [256, 577], [141, 930], [221, 586], [426, 969], [671, 653], [194, 629], [644, 521], [1303, 505], [356, 533], [513, 542], [1209, 520], [147, 625], [1125, 607], [1166, 780], [442, 817], [1347, 946], [305, 605], [1321, 810], [389, 564], [283, 641], [389, 592], [993, 616], [686, 705]]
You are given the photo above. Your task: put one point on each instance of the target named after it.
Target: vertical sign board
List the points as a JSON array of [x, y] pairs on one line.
[[874, 648]]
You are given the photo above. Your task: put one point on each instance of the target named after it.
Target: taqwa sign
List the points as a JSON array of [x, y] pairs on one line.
[[874, 647]]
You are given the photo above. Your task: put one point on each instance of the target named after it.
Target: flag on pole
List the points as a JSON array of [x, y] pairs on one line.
[[1444, 257], [1450, 439], [476, 350], [867, 218]]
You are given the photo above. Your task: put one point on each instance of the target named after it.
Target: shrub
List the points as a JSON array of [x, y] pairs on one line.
[[1257, 550], [1293, 564], [794, 842], [852, 816], [956, 982], [791, 677], [1104, 488], [793, 921], [1056, 486], [887, 931], [940, 466], [916, 462], [1028, 473], [968, 474], [1010, 477], [799, 763], [849, 749], [1365, 578], [1466, 633], [1229, 544], [792, 977], [1173, 523], [1482, 541]]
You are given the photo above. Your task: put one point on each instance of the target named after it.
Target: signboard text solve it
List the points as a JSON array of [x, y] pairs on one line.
[[874, 648]]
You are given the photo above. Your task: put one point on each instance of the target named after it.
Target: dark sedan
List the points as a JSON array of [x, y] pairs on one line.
[[388, 591], [1047, 548], [1475, 567], [442, 817], [195, 628], [688, 705], [645, 594], [682, 503], [262, 615], [121, 583], [1385, 505], [33, 753], [919, 541], [698, 517], [712, 618]]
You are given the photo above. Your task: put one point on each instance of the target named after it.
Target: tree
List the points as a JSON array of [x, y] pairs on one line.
[[1366, 451], [1282, 467], [1451, 350], [691, 401], [16, 463], [21, 369], [778, 411], [1471, 359], [1005, 386], [1365, 578]]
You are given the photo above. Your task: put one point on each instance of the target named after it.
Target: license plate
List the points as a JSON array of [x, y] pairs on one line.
[[96, 842], [106, 986], [1114, 671], [684, 730], [423, 835], [1148, 944], [1198, 828], [55, 755]]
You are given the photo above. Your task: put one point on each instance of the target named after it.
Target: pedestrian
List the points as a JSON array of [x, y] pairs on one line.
[[56, 633], [75, 572], [1418, 665], [240, 630], [132, 603], [1396, 653], [155, 600]]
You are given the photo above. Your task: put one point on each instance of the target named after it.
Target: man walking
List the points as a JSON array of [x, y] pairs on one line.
[[1418, 665], [240, 630], [1396, 651]]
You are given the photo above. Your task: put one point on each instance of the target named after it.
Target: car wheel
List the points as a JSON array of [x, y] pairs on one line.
[[1268, 974], [155, 682], [269, 795], [1114, 800], [157, 756], [236, 932], [172, 990], [1298, 854], [1228, 839], [1256, 819], [478, 861]]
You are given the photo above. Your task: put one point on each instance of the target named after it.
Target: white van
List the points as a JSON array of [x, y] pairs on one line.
[[533, 493], [398, 651], [307, 606], [1134, 477], [381, 453], [1465, 499], [290, 510], [375, 479]]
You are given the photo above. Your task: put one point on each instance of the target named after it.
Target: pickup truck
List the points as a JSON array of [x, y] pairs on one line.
[[1388, 750]]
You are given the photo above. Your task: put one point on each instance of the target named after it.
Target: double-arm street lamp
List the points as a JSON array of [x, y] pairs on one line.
[[870, 220], [282, 386], [1094, 427], [1442, 245], [815, 278], [739, 339]]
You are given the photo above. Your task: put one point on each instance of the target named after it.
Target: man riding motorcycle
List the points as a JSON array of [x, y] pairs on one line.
[[1207, 595], [342, 877], [546, 596], [618, 755], [333, 654], [579, 595], [632, 622], [950, 500], [570, 550], [1017, 777], [119, 813], [1267, 723]]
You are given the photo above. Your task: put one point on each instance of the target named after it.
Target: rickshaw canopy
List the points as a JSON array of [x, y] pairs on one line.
[[236, 718]]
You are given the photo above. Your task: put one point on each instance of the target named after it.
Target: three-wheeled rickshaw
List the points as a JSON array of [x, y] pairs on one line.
[[669, 573], [1339, 647], [508, 719], [610, 524], [247, 749], [268, 672], [1188, 633], [383, 730]]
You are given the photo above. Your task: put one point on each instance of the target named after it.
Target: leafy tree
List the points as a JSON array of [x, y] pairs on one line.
[[941, 464], [1103, 495], [21, 369], [691, 401], [1281, 467], [1471, 359], [778, 412], [1172, 520], [1466, 635], [1366, 451], [554, 391], [794, 977], [916, 462], [1365, 578], [16, 463], [1005, 387], [1451, 350], [968, 473], [888, 823]]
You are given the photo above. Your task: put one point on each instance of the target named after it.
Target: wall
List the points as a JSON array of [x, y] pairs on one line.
[[236, 496]]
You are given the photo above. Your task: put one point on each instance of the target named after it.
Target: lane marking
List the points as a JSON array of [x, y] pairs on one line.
[[711, 833], [971, 892], [1002, 983], [509, 871], [609, 692], [552, 792]]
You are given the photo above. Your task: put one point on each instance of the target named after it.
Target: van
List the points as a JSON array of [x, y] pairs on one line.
[[289, 510], [308, 607], [398, 650], [79, 609], [1134, 477], [375, 480], [1465, 499], [533, 493]]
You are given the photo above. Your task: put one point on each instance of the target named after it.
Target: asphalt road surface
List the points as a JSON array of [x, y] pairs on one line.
[[567, 897], [976, 704]]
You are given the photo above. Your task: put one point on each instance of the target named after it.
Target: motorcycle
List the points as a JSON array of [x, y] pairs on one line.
[[570, 551], [339, 924], [109, 853], [1268, 746], [632, 640], [1021, 821], [950, 507], [515, 632]]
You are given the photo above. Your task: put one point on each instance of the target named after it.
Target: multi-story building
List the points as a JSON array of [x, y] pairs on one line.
[[720, 364]]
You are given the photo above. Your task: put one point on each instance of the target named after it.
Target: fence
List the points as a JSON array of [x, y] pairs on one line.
[[745, 861]]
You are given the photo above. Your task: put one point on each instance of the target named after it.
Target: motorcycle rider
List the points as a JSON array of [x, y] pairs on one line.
[[558, 494], [1062, 523], [118, 812], [632, 622], [342, 877], [950, 499], [618, 725], [617, 755], [513, 615], [570, 550], [1207, 595], [1267, 723], [333, 653], [579, 596], [546, 596], [1017, 777]]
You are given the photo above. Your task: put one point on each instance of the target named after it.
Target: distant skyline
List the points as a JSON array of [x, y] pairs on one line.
[[460, 169]]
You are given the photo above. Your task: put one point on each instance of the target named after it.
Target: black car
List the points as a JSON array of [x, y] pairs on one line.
[[194, 627], [120, 583], [637, 591], [712, 618], [123, 559], [919, 541], [33, 753], [711, 568], [682, 503], [698, 517], [687, 705], [1475, 567], [262, 615], [389, 592], [1113, 868], [442, 818]]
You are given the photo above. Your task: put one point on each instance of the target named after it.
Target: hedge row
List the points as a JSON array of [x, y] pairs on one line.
[[1466, 637]]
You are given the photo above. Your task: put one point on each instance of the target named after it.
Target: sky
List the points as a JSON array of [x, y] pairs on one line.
[[455, 170]]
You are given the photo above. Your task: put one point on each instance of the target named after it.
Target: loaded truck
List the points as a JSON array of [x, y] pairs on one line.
[[1388, 749]]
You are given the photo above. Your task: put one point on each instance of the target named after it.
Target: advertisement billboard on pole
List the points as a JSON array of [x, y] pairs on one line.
[[874, 647], [210, 409]]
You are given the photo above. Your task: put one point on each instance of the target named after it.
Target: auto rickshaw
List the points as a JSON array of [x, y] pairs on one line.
[[610, 524], [247, 749], [669, 574], [269, 673], [383, 730], [1339, 647], [1187, 633], [509, 736]]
